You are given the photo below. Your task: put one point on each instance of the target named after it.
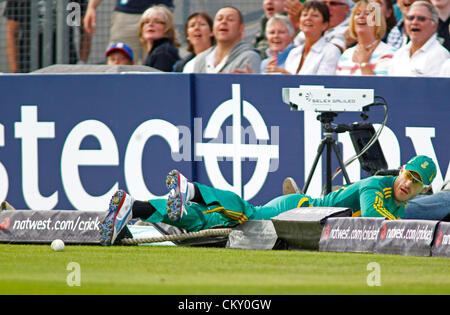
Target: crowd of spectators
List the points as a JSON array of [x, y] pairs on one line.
[[316, 37]]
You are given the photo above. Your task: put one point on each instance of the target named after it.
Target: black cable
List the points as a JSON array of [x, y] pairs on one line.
[[374, 137]]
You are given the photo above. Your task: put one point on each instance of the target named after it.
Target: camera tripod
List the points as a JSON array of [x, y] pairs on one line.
[[330, 144]]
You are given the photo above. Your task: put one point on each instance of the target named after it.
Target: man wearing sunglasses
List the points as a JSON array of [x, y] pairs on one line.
[[410, 187], [423, 55], [193, 206], [384, 196], [414, 178]]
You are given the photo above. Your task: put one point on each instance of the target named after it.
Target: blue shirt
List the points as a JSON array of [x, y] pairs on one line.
[[281, 58]]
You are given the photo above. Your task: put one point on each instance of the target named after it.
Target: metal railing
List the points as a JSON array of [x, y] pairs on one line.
[[38, 33]]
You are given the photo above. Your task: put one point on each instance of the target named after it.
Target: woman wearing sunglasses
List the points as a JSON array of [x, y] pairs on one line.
[[193, 206]]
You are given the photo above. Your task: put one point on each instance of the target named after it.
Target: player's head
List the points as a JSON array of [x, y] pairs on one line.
[[415, 177], [119, 54]]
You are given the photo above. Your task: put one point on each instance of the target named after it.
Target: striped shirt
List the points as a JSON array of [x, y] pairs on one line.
[[379, 61]]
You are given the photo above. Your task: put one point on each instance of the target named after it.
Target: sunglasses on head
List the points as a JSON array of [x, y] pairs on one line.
[[414, 178]]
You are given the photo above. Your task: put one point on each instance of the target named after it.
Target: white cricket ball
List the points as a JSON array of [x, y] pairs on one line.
[[58, 245]]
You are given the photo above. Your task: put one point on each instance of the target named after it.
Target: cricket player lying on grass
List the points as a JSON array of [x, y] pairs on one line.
[[194, 207]]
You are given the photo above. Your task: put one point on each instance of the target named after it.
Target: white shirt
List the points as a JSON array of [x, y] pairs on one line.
[[446, 69], [426, 62], [211, 59], [321, 60], [189, 66]]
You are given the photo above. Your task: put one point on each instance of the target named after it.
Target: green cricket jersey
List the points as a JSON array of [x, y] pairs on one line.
[[370, 197]]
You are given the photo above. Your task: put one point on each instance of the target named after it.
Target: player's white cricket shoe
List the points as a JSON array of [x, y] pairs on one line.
[[119, 214], [178, 195]]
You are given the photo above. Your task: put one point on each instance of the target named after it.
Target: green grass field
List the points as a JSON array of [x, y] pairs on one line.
[[36, 269]]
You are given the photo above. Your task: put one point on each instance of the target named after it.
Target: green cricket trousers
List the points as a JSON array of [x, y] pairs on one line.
[[224, 208]]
